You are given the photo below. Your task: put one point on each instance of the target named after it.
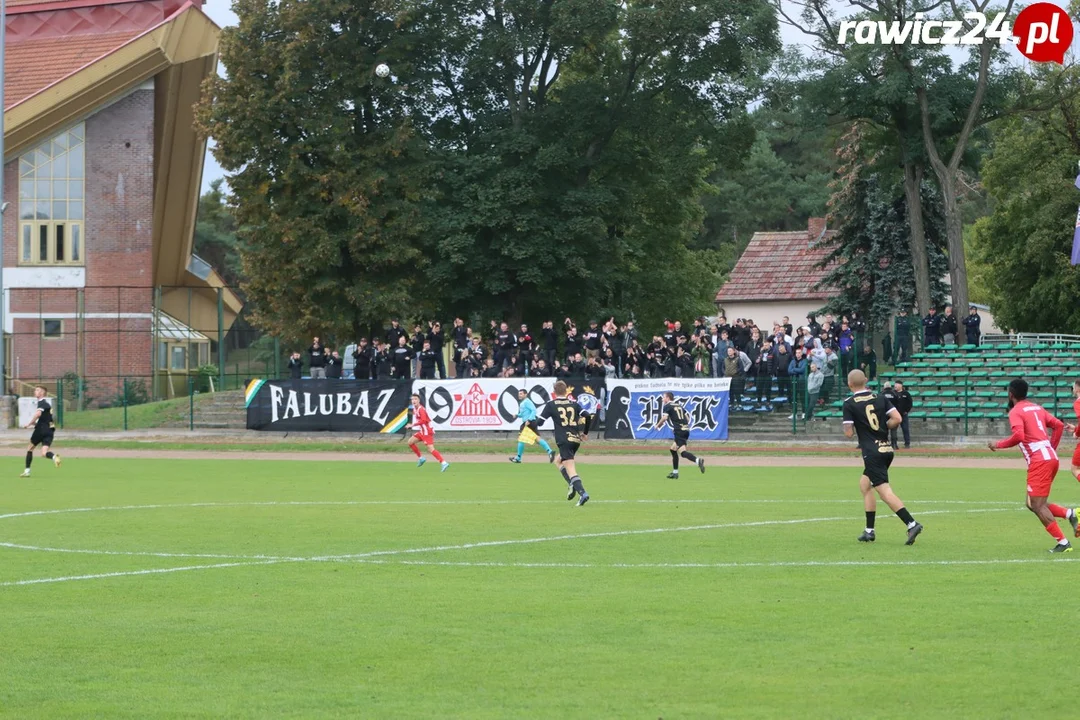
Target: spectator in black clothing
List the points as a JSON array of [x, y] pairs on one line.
[[887, 348], [395, 332], [573, 343], [868, 362], [478, 355], [428, 360], [766, 368], [789, 329], [903, 403], [317, 359], [542, 369], [591, 340], [490, 371], [931, 328], [551, 343], [296, 366], [383, 362], [333, 366], [576, 366], [681, 337], [526, 346], [363, 356], [436, 340], [460, 335], [889, 393], [416, 344], [812, 323], [972, 326], [948, 326], [402, 360]]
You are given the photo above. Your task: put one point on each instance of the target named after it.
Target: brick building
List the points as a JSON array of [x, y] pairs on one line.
[[102, 175]]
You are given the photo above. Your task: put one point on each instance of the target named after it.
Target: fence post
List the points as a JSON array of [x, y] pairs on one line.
[[221, 338], [191, 403], [125, 404], [60, 403]]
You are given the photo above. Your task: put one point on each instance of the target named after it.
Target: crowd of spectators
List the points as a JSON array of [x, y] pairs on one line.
[[768, 366]]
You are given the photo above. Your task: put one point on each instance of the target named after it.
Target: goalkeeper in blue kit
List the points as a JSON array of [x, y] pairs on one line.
[[530, 428]]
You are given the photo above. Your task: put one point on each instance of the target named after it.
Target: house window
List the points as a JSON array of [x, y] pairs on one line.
[[52, 329], [163, 356], [179, 358], [52, 180]]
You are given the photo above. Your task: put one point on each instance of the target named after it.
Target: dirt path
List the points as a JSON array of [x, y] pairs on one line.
[[787, 459]]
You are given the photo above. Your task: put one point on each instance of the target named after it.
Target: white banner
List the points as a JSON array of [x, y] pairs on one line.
[[675, 385], [480, 403]]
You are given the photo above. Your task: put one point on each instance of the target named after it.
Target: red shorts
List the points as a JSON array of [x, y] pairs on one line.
[[1041, 477], [425, 439], [1076, 456]]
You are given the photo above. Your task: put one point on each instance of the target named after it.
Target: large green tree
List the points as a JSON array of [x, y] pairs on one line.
[[215, 234], [869, 260], [326, 165], [1024, 246], [575, 141]]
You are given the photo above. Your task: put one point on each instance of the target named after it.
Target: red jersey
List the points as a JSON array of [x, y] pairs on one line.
[[1076, 412], [1029, 423], [422, 422]]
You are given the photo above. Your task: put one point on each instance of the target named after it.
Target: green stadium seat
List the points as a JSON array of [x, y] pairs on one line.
[[934, 348], [917, 415], [931, 405], [937, 415], [826, 414], [952, 405], [1059, 346], [930, 394], [955, 415], [970, 348], [976, 415]]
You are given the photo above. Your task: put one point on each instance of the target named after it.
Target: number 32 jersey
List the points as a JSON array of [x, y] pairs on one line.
[[569, 421], [868, 412]]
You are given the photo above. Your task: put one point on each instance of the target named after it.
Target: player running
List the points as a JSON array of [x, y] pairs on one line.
[[1029, 423], [676, 414], [424, 434], [44, 429], [864, 413], [527, 413], [571, 426]]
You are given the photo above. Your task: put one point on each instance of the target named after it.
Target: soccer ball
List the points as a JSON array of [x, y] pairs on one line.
[[382, 70]]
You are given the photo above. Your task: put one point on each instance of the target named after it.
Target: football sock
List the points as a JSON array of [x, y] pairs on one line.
[[905, 516], [437, 455], [871, 515], [29, 458], [566, 475], [49, 455], [674, 460], [544, 445], [689, 456], [1058, 511], [1055, 532], [416, 450], [521, 449], [575, 482]]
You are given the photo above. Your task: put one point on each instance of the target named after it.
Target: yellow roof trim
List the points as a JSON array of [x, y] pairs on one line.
[[187, 36]]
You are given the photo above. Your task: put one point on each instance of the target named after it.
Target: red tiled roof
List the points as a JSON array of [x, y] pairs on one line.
[[33, 65], [777, 266]]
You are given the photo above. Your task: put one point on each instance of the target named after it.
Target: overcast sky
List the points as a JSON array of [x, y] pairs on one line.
[[220, 11]]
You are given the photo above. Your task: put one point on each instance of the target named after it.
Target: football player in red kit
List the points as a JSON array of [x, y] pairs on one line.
[[421, 422]]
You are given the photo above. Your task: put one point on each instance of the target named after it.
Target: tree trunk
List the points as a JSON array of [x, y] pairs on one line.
[[954, 228], [913, 175]]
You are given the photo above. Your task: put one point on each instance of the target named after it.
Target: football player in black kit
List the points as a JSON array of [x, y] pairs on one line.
[[44, 428], [570, 426], [871, 416], [676, 414]]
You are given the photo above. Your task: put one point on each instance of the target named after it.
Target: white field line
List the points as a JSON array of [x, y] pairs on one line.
[[725, 565], [371, 557]]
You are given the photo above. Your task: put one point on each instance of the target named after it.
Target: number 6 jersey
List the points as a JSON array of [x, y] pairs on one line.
[[868, 412]]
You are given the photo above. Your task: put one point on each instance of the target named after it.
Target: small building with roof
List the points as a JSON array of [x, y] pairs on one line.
[[777, 275]]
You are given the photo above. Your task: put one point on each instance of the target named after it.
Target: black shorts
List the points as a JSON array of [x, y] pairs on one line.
[[42, 436], [531, 424], [876, 467], [568, 450], [682, 438]]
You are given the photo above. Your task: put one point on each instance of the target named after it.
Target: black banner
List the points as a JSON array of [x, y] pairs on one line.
[[369, 406]]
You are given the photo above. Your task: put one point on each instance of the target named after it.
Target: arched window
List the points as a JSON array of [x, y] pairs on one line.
[[52, 179]]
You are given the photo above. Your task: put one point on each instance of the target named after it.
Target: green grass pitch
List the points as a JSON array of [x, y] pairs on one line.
[[379, 590]]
